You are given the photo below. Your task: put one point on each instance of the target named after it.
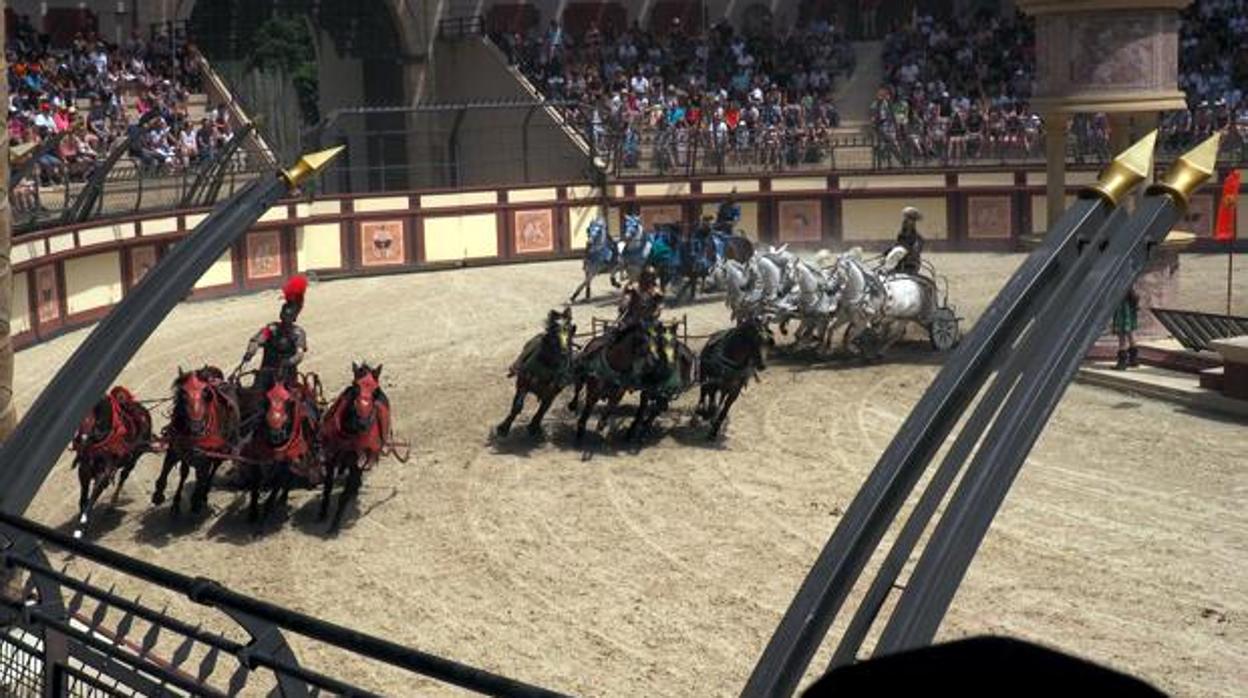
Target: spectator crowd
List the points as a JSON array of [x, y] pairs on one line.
[[68, 107], [957, 91], [721, 96], [953, 91]]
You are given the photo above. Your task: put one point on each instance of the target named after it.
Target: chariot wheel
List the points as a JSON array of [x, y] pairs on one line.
[[942, 328]]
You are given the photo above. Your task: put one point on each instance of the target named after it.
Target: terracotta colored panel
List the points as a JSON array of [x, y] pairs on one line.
[[264, 255], [801, 221], [533, 231], [142, 259], [988, 216], [47, 296], [382, 243], [666, 213]]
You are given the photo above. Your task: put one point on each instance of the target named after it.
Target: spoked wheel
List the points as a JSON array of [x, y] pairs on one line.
[[943, 330]]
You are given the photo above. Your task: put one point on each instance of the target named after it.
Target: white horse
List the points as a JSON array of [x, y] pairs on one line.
[[816, 301], [879, 308], [734, 278]]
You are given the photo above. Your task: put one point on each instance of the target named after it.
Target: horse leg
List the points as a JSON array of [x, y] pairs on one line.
[[204, 475], [125, 474], [591, 399], [183, 471], [729, 398], [84, 490], [535, 425], [576, 394], [96, 486], [642, 404], [256, 479], [331, 471], [608, 410], [577, 292], [355, 477], [171, 457], [517, 404]]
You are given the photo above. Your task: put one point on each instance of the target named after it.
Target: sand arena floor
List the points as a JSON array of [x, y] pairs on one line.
[[663, 572]]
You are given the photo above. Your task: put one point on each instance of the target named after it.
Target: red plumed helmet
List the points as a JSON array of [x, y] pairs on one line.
[[295, 288]]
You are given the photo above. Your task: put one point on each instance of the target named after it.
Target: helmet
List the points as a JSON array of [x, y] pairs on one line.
[[293, 291], [649, 276], [911, 212]]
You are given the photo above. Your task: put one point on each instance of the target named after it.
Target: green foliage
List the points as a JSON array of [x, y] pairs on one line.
[[284, 43]]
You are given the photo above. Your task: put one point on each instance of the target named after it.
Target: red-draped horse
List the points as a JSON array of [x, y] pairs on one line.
[[282, 446], [202, 433], [354, 434], [111, 438]]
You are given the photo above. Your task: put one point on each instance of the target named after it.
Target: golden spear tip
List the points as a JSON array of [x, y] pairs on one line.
[[1128, 169], [1191, 170], [310, 164]]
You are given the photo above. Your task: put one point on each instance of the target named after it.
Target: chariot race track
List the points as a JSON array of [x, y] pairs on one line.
[[662, 570]]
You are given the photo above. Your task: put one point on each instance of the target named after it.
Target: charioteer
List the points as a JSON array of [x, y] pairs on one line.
[[641, 303], [284, 342], [728, 214], [911, 241]]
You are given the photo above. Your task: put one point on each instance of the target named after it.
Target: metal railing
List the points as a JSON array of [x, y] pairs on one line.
[[60, 634], [122, 185]]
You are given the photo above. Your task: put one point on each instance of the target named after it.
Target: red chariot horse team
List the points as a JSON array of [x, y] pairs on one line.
[[278, 431]]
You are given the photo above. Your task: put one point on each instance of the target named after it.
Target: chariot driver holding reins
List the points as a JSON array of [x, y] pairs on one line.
[[641, 303], [284, 343], [906, 256]]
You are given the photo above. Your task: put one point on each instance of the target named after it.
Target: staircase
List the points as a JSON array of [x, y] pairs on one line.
[[853, 97]]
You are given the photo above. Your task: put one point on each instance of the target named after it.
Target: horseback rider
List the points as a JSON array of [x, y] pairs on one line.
[[702, 233], [910, 239], [728, 214], [284, 343]]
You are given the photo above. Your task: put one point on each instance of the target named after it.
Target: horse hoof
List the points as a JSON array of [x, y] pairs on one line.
[[82, 519], [501, 430], [77, 533], [535, 432], [158, 498]]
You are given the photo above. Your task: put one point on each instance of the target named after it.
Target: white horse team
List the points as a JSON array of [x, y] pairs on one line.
[[872, 302]]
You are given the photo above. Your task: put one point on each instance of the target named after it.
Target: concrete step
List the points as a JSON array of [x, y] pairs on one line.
[[1161, 384]]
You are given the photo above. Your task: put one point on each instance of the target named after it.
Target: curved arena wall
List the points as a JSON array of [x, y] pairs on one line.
[[71, 276]]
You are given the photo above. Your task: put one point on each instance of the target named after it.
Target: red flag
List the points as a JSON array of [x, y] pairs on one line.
[[1225, 230]]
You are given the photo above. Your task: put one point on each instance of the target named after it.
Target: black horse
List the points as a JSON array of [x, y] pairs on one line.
[[668, 375], [543, 368], [608, 368], [728, 362]]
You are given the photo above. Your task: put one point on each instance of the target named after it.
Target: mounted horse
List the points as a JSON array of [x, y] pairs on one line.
[[111, 438], [667, 252], [601, 257], [203, 432], [354, 435], [634, 250], [543, 368], [663, 379], [728, 361], [282, 447], [610, 366]]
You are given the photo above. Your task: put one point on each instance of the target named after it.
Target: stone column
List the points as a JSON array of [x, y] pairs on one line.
[[8, 415], [1055, 165]]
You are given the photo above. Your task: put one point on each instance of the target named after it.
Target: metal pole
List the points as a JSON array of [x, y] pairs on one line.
[[1230, 272], [8, 416]]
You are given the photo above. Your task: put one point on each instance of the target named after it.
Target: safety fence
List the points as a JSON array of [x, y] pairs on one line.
[[63, 635], [71, 275]]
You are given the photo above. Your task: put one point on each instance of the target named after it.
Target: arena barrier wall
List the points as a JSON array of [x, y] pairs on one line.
[[71, 276]]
